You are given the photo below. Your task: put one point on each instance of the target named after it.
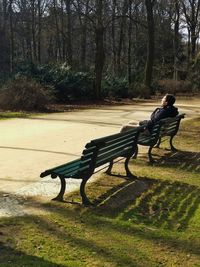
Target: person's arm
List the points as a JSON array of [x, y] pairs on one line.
[[153, 114], [163, 113]]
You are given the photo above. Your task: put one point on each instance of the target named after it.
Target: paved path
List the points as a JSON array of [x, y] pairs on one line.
[[29, 146]]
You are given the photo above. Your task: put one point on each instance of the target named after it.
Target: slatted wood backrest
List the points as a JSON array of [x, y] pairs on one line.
[[170, 126], [103, 150], [153, 137]]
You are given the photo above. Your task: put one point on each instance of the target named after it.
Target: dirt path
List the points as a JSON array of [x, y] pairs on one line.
[[29, 146]]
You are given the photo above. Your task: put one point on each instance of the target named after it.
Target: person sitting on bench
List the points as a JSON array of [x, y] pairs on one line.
[[166, 110]]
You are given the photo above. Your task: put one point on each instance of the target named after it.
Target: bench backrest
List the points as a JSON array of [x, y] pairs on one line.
[[164, 127], [149, 139], [103, 150], [170, 126]]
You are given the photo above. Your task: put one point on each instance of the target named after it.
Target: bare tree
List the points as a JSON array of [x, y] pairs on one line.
[[191, 11], [100, 53], [69, 33], [11, 36], [150, 45]]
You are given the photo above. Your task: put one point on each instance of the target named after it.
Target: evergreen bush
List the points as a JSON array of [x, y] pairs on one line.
[[115, 87], [69, 85]]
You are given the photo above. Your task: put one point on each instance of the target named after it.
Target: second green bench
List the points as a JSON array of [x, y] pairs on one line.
[[164, 128]]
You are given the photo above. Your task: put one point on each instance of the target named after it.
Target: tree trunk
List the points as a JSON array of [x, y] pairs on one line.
[[193, 42], [99, 55], [176, 35], [39, 31], [4, 13], [189, 46], [33, 29], [113, 35], [150, 45], [11, 38], [191, 11], [69, 33], [129, 44], [84, 37], [99, 61], [57, 31], [121, 36]]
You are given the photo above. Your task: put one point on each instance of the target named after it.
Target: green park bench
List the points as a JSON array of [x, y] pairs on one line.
[[96, 153], [164, 128]]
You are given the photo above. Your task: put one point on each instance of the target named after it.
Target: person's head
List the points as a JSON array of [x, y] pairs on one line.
[[168, 100]]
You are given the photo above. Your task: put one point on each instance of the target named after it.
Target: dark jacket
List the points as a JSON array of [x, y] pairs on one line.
[[161, 113]]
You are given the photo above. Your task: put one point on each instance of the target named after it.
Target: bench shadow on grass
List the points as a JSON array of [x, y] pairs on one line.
[[153, 202], [183, 160], [159, 204]]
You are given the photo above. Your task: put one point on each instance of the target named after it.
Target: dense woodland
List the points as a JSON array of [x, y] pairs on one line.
[[137, 46]]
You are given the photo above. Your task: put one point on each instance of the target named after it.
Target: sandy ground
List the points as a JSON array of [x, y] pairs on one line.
[[29, 146]]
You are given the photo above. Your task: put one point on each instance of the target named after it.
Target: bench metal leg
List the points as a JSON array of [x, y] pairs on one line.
[[158, 143], [151, 160], [136, 153], [62, 190], [172, 147], [128, 172], [85, 200], [108, 171]]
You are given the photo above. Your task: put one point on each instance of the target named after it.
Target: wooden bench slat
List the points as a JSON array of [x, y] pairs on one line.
[[112, 155], [117, 142], [88, 149], [109, 147], [70, 164], [116, 136], [87, 156], [72, 169], [119, 149], [66, 169], [68, 173]]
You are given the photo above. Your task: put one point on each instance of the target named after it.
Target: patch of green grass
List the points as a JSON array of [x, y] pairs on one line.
[[20, 114], [154, 221], [10, 115]]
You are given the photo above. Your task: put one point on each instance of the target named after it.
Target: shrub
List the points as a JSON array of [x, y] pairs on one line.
[[139, 90], [68, 85], [115, 87], [75, 86], [22, 93], [172, 87]]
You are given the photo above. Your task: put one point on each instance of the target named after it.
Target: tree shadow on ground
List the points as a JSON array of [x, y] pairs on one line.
[[37, 150], [10, 257]]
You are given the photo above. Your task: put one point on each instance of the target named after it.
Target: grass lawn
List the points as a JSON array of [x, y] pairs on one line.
[[154, 221]]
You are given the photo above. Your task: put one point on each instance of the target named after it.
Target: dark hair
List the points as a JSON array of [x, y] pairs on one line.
[[170, 99]]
